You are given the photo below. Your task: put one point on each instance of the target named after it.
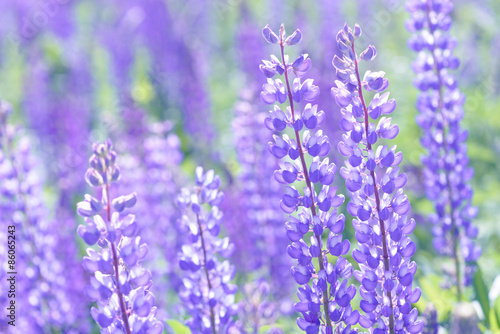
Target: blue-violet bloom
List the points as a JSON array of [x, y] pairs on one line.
[[378, 203]]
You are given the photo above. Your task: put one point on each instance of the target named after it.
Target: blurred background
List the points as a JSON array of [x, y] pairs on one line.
[[77, 71]]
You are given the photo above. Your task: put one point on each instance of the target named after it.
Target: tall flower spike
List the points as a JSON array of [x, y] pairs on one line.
[[446, 171], [324, 302], [207, 292], [378, 202], [120, 285]]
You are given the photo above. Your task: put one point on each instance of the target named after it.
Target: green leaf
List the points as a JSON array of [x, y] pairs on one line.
[[178, 327], [482, 294], [443, 299]]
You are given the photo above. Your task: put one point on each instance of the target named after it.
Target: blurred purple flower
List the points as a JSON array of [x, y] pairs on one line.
[[259, 250], [378, 202], [45, 282], [431, 325], [152, 158], [180, 66], [256, 310], [446, 172]]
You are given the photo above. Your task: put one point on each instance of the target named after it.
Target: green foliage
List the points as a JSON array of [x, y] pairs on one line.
[[176, 327], [482, 295], [443, 299]]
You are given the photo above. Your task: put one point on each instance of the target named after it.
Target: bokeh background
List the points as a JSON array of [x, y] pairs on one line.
[[77, 71]]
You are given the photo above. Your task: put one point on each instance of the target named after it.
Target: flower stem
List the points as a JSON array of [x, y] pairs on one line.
[[212, 315], [116, 264]]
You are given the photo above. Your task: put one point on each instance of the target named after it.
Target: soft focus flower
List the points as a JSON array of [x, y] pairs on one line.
[[151, 158], [430, 319], [249, 205], [447, 173], [256, 310], [378, 203], [44, 295]]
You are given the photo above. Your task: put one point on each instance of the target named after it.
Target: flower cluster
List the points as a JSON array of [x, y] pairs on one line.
[[446, 170], [120, 285], [46, 299], [324, 302], [207, 292], [378, 202]]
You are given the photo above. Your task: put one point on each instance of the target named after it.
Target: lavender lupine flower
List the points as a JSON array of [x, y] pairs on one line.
[[44, 297], [324, 302], [446, 171], [378, 202], [120, 285], [207, 292]]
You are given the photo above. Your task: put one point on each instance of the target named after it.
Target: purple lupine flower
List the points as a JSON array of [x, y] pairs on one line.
[[325, 303], [446, 172], [47, 300], [256, 310], [207, 292], [120, 285], [378, 202], [262, 247]]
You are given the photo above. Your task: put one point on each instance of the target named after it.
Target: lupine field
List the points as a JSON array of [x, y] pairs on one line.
[[247, 166]]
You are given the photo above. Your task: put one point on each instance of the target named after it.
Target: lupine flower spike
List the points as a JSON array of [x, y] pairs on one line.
[[207, 292], [120, 285], [378, 202], [446, 170], [325, 303]]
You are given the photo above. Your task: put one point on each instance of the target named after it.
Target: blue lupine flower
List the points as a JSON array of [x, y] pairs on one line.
[[446, 172], [120, 285], [378, 202], [207, 292], [324, 304]]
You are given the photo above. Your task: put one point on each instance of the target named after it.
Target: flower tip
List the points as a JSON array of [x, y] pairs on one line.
[[295, 38], [357, 31], [269, 35]]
